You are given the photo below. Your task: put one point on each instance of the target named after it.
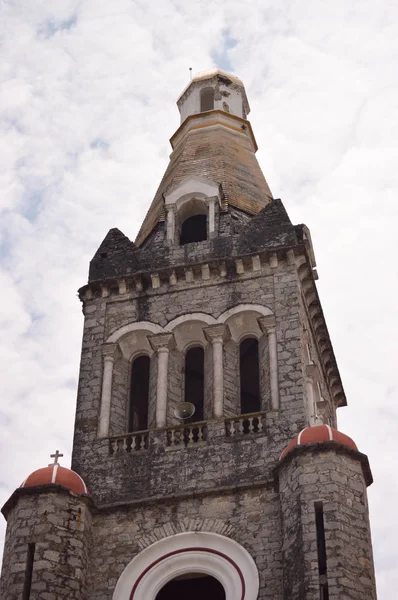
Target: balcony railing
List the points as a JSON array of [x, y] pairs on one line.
[[245, 424], [189, 435], [186, 435], [129, 442]]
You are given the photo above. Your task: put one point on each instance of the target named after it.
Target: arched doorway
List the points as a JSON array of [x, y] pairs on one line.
[[190, 556], [194, 586]]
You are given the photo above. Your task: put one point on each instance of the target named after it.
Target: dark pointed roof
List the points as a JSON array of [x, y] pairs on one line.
[[270, 228], [110, 258]]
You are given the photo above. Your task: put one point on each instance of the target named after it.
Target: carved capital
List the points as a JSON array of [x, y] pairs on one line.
[[217, 333], [162, 341], [212, 200], [109, 351], [267, 324], [312, 371]]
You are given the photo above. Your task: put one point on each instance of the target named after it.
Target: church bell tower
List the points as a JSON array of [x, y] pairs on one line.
[[206, 459]]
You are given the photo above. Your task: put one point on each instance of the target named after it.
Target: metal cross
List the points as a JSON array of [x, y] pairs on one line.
[[55, 456]]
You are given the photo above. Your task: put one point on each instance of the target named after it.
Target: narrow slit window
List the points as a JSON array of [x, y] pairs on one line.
[[194, 380], [207, 100], [139, 394], [30, 557], [321, 547], [249, 377]]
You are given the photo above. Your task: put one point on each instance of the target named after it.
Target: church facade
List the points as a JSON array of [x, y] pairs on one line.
[[206, 456]]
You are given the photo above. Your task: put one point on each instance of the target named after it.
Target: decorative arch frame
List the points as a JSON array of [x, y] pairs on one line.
[[201, 317], [139, 325], [190, 552], [193, 195], [259, 308], [249, 313], [191, 187]]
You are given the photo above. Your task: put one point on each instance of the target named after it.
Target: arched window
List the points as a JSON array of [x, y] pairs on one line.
[[194, 586], [207, 99], [194, 229], [249, 376], [194, 380], [139, 394]]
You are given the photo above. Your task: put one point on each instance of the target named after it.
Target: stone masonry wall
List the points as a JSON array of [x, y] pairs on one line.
[[250, 517], [60, 526], [277, 290], [331, 475]]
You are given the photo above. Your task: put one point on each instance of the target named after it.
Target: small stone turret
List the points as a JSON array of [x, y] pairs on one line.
[[325, 523], [47, 539], [214, 90]]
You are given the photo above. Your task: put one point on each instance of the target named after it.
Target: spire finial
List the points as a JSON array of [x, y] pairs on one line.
[[190, 73], [55, 456]]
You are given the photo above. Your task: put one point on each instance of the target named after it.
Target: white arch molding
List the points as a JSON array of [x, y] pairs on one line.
[[258, 308], [189, 318], [191, 552], [138, 325], [205, 318]]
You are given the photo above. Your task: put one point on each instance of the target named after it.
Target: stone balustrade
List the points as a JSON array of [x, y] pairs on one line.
[[187, 435], [129, 442], [245, 424]]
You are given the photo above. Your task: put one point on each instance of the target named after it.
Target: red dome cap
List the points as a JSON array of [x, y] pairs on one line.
[[58, 475], [319, 434]]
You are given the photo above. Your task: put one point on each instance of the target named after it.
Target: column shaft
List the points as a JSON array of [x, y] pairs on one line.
[[218, 378], [273, 368], [216, 334], [161, 343], [106, 395], [309, 390], [161, 395]]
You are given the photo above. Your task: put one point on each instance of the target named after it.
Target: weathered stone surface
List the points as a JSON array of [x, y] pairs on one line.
[[253, 278], [59, 524]]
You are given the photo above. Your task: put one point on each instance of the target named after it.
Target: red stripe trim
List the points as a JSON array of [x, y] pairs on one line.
[[193, 549]]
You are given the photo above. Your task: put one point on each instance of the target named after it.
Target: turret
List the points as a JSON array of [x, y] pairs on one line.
[[326, 538], [213, 167], [48, 531], [214, 90]]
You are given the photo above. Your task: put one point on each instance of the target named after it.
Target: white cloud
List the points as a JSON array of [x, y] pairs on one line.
[[87, 103]]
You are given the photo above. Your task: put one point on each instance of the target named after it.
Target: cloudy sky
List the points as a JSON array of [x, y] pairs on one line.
[[87, 101]]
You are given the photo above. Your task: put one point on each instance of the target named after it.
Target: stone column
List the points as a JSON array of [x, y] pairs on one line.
[[170, 223], [310, 378], [267, 325], [161, 344], [211, 204], [108, 353], [216, 334]]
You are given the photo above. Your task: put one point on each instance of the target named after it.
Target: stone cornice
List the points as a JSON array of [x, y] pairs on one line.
[[213, 118], [49, 488], [319, 329], [326, 447], [211, 271]]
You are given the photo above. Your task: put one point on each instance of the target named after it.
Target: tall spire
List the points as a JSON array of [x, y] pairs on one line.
[[214, 142]]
